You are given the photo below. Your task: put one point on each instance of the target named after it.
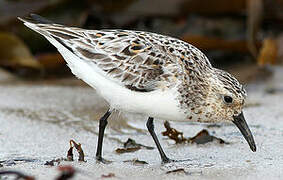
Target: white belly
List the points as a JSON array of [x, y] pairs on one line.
[[158, 104]]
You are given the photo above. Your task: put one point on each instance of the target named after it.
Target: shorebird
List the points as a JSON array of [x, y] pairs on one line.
[[150, 74]]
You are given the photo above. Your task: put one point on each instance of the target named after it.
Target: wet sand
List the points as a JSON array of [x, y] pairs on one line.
[[39, 118]]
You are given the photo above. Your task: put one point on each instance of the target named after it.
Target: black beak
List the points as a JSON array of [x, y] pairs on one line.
[[241, 123]]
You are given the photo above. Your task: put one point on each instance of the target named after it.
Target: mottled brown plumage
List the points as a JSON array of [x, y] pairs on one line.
[[148, 73]]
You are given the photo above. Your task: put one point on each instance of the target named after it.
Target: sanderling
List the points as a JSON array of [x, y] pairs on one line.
[[148, 73]]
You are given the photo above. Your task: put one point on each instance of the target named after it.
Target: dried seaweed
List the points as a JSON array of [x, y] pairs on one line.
[[79, 150], [110, 175], [173, 134], [201, 138], [136, 162], [132, 143], [126, 150], [67, 172], [131, 146], [54, 162], [180, 170], [204, 137], [70, 155]]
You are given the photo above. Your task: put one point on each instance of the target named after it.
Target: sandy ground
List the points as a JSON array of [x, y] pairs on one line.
[[37, 120]]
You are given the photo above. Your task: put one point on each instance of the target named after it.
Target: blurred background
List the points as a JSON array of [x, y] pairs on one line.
[[241, 36], [43, 106]]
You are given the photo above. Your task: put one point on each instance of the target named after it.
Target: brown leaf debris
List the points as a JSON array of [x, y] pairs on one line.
[[131, 146], [136, 162], [180, 170], [67, 172], [79, 150], [110, 175], [204, 137], [201, 138], [173, 134]]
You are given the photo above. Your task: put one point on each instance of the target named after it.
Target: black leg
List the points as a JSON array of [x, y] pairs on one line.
[[150, 127], [102, 124]]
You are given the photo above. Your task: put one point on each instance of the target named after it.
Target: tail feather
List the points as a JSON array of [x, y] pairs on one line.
[[34, 25], [35, 19], [54, 33], [51, 31], [48, 28]]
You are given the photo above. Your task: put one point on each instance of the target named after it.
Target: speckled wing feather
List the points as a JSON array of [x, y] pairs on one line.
[[140, 61]]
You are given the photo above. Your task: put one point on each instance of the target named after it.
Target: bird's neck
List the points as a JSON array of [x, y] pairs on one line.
[[193, 91]]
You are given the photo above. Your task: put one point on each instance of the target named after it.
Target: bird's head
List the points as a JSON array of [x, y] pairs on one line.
[[225, 97], [225, 101]]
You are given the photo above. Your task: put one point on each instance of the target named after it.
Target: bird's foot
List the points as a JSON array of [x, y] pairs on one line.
[[102, 160], [167, 160]]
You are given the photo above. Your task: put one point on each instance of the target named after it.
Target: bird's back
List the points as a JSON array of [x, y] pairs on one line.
[[141, 66]]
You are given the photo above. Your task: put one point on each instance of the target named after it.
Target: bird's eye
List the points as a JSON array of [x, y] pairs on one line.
[[228, 99]]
